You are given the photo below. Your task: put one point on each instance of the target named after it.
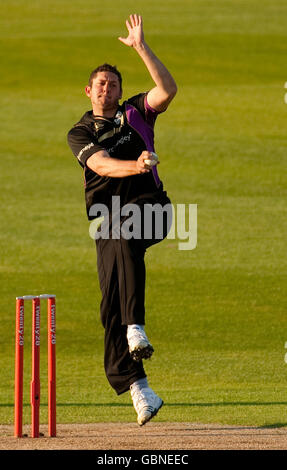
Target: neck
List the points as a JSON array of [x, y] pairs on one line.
[[104, 112]]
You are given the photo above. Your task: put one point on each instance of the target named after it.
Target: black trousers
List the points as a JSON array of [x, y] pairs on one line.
[[122, 276]]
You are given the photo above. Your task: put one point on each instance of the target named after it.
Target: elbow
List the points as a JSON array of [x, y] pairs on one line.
[[171, 86], [167, 96], [172, 91]]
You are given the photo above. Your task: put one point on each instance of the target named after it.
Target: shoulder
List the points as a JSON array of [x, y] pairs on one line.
[[141, 104], [84, 125], [137, 101]]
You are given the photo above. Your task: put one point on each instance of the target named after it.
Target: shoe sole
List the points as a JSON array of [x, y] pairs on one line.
[[142, 353], [153, 414]]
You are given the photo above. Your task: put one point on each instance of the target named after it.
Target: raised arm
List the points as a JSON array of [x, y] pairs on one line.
[[161, 95]]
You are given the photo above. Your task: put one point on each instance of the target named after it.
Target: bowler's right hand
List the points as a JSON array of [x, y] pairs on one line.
[[142, 167]]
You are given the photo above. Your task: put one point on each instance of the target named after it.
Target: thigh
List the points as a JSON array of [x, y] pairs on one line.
[[156, 220], [107, 274]]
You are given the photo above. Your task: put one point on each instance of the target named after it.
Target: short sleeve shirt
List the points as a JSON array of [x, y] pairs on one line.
[[124, 137]]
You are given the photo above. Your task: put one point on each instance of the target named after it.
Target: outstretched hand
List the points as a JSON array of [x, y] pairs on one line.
[[135, 29]]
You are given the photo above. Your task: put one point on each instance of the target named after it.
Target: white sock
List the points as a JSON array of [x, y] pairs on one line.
[[135, 327], [139, 385]]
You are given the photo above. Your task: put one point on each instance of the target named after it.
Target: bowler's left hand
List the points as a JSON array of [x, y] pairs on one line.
[[135, 29]]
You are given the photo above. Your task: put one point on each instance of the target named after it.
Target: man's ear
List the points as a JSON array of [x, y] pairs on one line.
[[88, 91]]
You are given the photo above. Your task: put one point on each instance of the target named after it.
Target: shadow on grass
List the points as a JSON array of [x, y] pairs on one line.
[[189, 404], [235, 403], [275, 425]]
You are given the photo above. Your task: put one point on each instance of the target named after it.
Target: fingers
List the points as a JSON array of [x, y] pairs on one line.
[[145, 154], [135, 20], [135, 31], [146, 161], [142, 167], [132, 20], [128, 25]]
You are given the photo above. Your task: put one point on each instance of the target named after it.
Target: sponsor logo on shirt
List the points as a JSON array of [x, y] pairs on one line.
[[122, 140], [87, 147]]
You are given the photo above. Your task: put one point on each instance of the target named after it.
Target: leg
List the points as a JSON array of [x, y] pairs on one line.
[[131, 277], [131, 272], [120, 369]]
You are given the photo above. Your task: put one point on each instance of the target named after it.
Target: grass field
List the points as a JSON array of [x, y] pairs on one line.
[[217, 314]]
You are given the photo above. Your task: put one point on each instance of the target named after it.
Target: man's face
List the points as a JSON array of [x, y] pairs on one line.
[[105, 92]]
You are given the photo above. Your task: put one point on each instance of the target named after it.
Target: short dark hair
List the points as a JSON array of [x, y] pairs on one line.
[[105, 68]]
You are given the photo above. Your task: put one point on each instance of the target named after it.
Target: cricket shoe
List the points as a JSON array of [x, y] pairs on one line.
[[146, 404], [139, 346]]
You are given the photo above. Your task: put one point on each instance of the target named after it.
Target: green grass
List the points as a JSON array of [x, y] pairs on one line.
[[216, 315]]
